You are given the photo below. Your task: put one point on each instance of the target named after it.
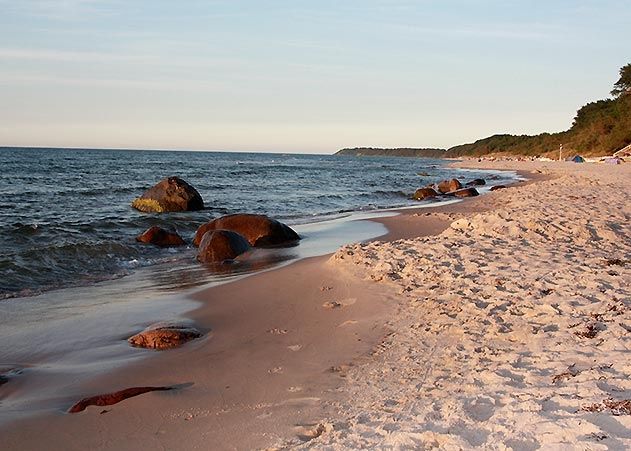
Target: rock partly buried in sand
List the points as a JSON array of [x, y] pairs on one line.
[[425, 193], [3, 379], [170, 194], [113, 398], [259, 230], [447, 186], [476, 182], [464, 192], [496, 187], [164, 336], [220, 245], [160, 237]]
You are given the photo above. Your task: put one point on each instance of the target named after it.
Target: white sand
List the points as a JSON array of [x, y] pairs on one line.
[[490, 342]]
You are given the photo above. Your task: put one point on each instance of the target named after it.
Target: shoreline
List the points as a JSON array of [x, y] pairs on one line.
[[353, 328]]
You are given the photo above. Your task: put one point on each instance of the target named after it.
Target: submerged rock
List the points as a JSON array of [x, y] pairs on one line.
[[259, 230], [496, 187], [164, 336], [160, 237], [220, 245], [447, 186], [425, 193], [464, 192], [476, 182], [170, 194]]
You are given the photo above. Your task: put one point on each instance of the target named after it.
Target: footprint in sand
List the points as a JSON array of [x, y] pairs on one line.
[[308, 432], [276, 370], [350, 322], [337, 304], [277, 331], [295, 347], [294, 389]]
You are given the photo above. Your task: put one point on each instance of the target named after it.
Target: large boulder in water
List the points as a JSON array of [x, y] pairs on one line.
[[164, 336], [170, 194], [447, 186], [425, 193], [464, 192], [220, 245], [476, 182], [259, 230], [160, 237]]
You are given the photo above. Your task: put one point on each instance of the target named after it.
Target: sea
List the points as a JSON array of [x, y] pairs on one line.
[[73, 279]]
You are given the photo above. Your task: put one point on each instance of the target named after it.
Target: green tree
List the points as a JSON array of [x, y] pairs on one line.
[[623, 86]]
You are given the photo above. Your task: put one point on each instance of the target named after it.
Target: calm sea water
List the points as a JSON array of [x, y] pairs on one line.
[[66, 220]]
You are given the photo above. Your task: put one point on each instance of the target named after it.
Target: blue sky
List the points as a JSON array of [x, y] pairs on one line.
[[300, 76]]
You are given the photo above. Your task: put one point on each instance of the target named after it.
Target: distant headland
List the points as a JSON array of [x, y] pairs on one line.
[[398, 152]]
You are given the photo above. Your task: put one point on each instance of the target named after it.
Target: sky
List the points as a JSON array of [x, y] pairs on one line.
[[300, 76]]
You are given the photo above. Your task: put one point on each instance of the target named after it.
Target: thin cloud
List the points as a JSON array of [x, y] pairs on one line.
[[62, 55]]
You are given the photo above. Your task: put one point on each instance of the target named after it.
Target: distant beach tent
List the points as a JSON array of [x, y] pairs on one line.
[[577, 159], [614, 160]]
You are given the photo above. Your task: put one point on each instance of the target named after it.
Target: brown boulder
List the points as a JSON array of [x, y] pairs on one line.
[[160, 237], [164, 336], [3, 379], [259, 230], [447, 186], [464, 192], [476, 182], [170, 194], [425, 193], [496, 187], [220, 245]]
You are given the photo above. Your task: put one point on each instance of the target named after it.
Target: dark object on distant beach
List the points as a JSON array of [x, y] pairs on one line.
[[164, 336], [3, 379], [425, 193], [496, 187], [259, 230], [220, 245], [447, 186], [576, 159], [464, 192], [170, 194], [160, 237], [113, 398], [476, 182]]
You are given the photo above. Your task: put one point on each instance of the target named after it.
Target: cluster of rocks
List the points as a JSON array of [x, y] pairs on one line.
[[219, 241], [451, 187]]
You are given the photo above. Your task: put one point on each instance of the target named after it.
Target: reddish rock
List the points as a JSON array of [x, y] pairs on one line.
[[447, 186], [112, 398], [170, 194], [476, 182], [496, 187], [464, 192], [164, 336], [160, 237], [220, 245], [259, 230], [425, 193]]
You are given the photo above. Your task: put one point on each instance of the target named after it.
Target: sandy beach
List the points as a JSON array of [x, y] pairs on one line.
[[501, 322]]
